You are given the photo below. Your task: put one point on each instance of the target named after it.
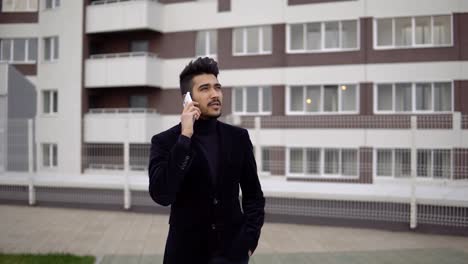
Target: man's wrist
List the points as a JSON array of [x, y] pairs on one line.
[[187, 134]]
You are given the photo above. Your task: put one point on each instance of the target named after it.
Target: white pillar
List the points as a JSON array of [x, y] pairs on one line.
[[258, 147], [127, 194], [31, 189], [413, 204]]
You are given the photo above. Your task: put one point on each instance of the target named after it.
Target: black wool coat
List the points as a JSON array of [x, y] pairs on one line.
[[207, 218]]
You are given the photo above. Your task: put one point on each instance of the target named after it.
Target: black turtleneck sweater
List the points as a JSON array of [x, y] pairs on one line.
[[205, 137]]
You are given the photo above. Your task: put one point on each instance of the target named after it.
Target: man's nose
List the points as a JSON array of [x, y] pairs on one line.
[[215, 93]]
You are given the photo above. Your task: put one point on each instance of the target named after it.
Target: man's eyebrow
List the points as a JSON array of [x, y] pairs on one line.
[[203, 85], [207, 84]]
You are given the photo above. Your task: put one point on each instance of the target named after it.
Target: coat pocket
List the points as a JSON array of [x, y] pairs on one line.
[[239, 249]]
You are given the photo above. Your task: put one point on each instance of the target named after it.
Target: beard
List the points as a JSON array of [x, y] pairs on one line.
[[211, 116]]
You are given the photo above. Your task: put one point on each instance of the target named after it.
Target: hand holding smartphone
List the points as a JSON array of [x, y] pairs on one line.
[[189, 115], [187, 99]]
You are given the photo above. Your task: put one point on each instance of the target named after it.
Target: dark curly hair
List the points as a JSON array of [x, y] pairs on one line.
[[199, 66]]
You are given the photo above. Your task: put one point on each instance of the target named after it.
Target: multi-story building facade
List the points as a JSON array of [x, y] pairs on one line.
[[349, 91]]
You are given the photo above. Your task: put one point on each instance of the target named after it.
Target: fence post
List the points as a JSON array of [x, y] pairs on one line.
[[127, 193], [31, 189], [414, 164], [258, 147]]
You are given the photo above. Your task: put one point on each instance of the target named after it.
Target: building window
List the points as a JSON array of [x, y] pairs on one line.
[[252, 100], [51, 48], [18, 50], [434, 163], [414, 97], [139, 46], [323, 36], [266, 159], [19, 5], [49, 155], [335, 162], [318, 99], [393, 163], [206, 43], [138, 101], [417, 31], [50, 102], [252, 40], [51, 4]]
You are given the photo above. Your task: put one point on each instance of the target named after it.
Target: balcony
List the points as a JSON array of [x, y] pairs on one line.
[[122, 15], [123, 69], [119, 125]]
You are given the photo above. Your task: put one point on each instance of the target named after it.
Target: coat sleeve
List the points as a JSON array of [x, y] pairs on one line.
[[253, 202], [167, 167]]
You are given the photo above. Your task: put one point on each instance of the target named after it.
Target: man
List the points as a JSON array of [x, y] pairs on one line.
[[197, 168]]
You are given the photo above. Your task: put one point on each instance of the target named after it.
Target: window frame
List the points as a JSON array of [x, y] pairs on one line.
[[321, 174], [413, 33], [262, 164], [53, 147], [54, 4], [245, 41], [12, 48], [54, 40], [321, 111], [28, 8], [323, 49], [413, 98], [208, 35], [244, 101], [431, 176], [49, 93], [417, 177], [393, 172]]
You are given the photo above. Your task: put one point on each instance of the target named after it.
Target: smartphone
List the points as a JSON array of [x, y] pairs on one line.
[[187, 99]]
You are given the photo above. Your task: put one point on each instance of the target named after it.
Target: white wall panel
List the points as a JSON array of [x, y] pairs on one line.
[[18, 30], [353, 138]]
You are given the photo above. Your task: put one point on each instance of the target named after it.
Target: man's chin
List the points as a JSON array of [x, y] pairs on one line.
[[213, 115]]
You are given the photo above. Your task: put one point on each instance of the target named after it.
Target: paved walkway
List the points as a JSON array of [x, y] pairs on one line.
[[126, 237]]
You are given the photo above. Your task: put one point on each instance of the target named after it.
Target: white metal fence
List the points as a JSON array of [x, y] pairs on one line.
[[420, 167]]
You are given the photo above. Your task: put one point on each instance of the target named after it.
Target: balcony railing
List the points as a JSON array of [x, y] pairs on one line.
[[119, 15], [105, 2], [124, 55], [123, 69], [121, 110]]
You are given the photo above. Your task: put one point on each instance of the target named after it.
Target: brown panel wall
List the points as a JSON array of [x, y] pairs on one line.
[[460, 163], [178, 45], [304, 2], [278, 95], [227, 101], [435, 121], [174, 1], [365, 165], [169, 45], [18, 17], [461, 96], [224, 5], [277, 160], [332, 121], [462, 34], [168, 102], [121, 41], [120, 97], [27, 69], [366, 99]]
